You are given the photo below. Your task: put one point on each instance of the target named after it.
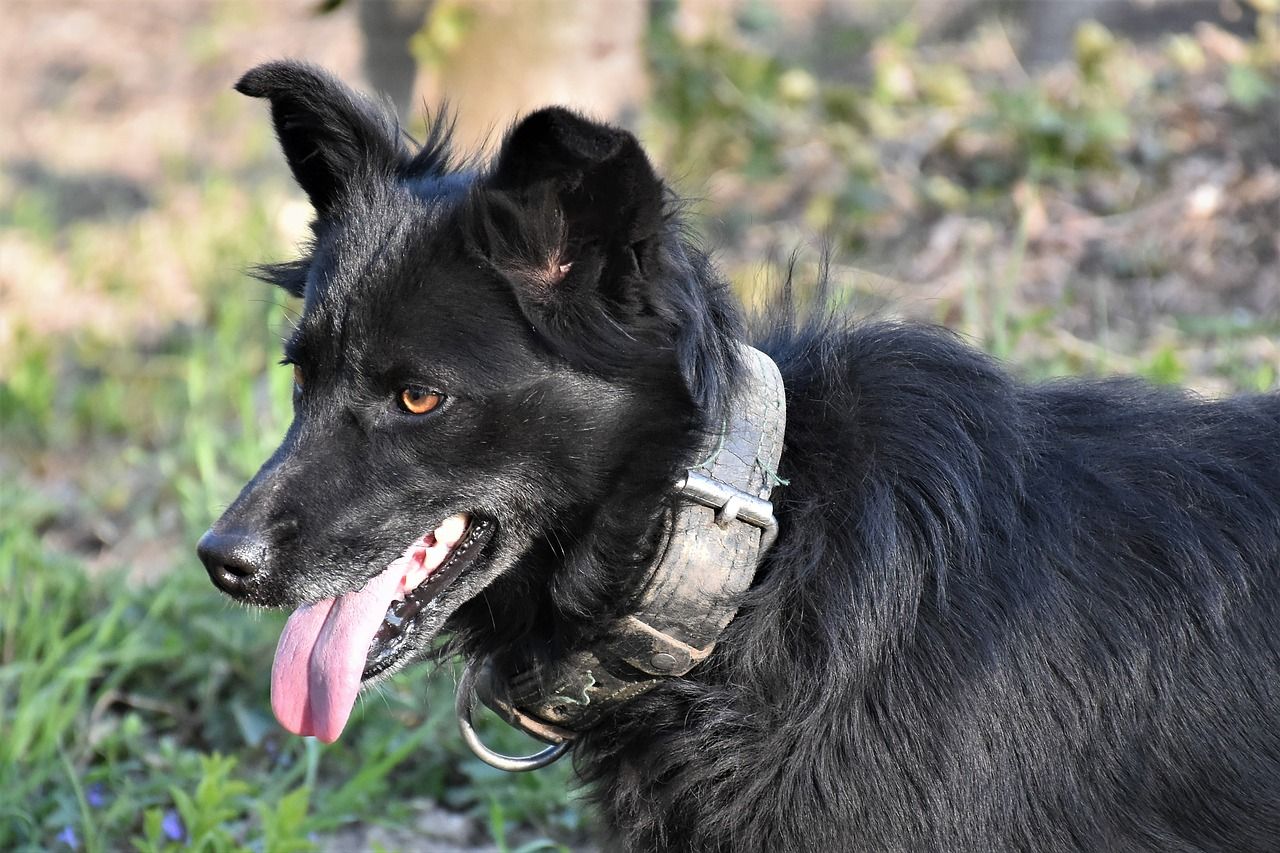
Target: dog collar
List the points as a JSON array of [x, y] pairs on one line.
[[721, 525]]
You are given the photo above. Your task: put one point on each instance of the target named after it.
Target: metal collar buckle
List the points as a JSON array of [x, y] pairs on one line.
[[731, 504]]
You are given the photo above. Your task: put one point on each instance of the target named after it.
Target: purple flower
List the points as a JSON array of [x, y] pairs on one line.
[[172, 826], [68, 837], [96, 795]]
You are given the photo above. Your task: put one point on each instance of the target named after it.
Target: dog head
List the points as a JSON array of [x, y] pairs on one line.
[[494, 367]]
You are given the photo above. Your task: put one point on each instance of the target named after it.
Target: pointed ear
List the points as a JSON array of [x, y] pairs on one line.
[[587, 185], [330, 134]]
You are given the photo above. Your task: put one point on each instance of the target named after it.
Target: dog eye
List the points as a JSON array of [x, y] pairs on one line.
[[419, 401], [297, 378]]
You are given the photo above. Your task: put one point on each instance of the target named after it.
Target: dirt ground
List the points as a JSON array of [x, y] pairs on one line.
[[97, 86], [102, 101]]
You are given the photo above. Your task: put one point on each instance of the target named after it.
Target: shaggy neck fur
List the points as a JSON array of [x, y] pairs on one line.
[[583, 573], [921, 667]]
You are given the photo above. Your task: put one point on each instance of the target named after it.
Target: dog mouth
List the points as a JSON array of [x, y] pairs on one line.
[[330, 648], [437, 559]]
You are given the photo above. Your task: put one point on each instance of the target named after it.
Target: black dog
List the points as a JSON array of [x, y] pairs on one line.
[[996, 617]]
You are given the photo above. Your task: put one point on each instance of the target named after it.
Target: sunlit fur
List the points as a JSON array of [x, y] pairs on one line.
[[998, 616]]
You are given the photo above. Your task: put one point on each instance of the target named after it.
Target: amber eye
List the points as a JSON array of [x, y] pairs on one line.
[[419, 401], [297, 378]]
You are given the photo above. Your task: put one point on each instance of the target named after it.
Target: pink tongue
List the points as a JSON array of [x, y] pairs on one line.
[[322, 651]]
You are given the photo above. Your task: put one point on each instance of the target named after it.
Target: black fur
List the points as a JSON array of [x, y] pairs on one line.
[[997, 617]]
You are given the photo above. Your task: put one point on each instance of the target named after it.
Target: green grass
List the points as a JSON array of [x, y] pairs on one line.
[[130, 710]]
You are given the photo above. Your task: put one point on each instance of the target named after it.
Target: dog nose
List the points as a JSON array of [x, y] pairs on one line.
[[231, 559]]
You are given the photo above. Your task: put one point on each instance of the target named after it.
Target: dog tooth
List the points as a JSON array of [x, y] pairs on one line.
[[451, 529], [415, 577]]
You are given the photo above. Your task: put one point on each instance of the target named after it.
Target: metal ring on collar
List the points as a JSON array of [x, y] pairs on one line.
[[465, 703]]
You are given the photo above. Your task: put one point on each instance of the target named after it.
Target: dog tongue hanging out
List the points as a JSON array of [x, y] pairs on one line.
[[996, 616], [321, 656], [323, 650]]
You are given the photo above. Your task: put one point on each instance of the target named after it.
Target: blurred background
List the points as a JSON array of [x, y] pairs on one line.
[[1079, 186]]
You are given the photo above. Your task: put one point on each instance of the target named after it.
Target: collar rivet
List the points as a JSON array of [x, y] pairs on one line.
[[663, 662]]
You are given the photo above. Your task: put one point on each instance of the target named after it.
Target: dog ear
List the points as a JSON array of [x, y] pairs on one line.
[[573, 214], [571, 202], [330, 134]]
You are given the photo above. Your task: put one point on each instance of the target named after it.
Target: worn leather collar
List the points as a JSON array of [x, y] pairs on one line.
[[721, 525]]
